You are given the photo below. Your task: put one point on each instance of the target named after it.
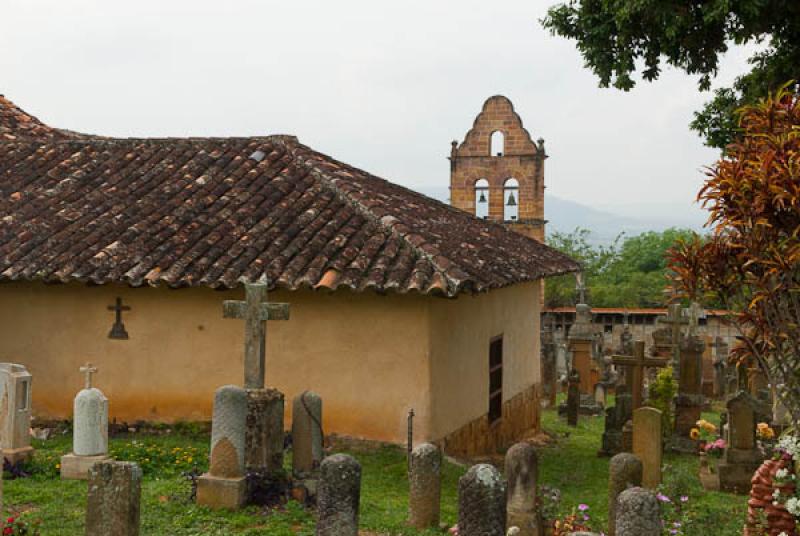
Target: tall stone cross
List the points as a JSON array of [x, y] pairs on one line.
[[255, 311], [636, 365], [675, 320], [87, 370]]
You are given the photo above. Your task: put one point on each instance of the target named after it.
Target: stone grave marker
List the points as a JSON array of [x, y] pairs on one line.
[[580, 344], [113, 504], [600, 395], [549, 366], [307, 435], [522, 475], [648, 444], [89, 430], [424, 486], [224, 485], [339, 496], [616, 417], [638, 513], [720, 366], [625, 470], [264, 433], [573, 398], [636, 365], [741, 457], [15, 412], [689, 400], [481, 502]]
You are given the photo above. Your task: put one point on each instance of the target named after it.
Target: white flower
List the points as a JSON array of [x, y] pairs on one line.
[[783, 533], [776, 494], [781, 474], [791, 445], [793, 506]]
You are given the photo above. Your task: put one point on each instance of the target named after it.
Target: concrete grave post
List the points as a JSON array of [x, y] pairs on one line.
[[648, 444], [741, 458], [90, 430], [224, 485], [15, 412], [689, 401], [580, 344], [307, 436], [481, 502], [424, 486], [573, 398], [522, 475], [638, 513], [625, 470], [264, 432], [113, 504], [339, 496]]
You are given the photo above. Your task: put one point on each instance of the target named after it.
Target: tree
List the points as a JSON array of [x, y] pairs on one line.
[[751, 262], [617, 37]]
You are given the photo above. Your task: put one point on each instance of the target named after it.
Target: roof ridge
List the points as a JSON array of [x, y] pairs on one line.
[[380, 221]]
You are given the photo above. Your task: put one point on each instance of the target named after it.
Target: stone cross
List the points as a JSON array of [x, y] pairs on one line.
[[637, 363], [522, 473], [695, 313], [87, 370], [647, 444], [624, 470], [482, 502], [113, 505], [339, 496], [675, 320], [638, 513], [424, 486], [255, 311]]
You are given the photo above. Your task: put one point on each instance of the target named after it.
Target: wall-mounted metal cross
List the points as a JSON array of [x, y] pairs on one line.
[[118, 329]]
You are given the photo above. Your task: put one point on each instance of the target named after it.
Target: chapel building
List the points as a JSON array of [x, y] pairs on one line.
[[120, 252]]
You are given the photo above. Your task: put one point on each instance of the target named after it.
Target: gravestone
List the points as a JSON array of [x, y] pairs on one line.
[[90, 430], [15, 412], [616, 417], [113, 504], [424, 486], [573, 398], [689, 400], [720, 366], [648, 444], [638, 513], [741, 457], [306, 434], [580, 344], [627, 436], [264, 433], [600, 395], [522, 474], [624, 471], [481, 502], [549, 366], [758, 384], [708, 369], [224, 486], [339, 496], [636, 365]]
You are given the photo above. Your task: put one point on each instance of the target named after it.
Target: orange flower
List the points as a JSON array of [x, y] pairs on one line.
[[694, 433]]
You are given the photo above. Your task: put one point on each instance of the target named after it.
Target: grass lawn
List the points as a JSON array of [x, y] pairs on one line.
[[571, 465]]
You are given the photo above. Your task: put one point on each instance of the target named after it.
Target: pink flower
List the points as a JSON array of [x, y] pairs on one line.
[[583, 507], [663, 498]]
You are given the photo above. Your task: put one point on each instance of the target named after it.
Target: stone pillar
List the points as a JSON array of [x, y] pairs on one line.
[[573, 398], [482, 502], [264, 431], [624, 470], [424, 486], [522, 474], [648, 444], [339, 496], [90, 434], [224, 485], [580, 344], [306, 434], [638, 513], [689, 401], [15, 412], [113, 505], [627, 436]]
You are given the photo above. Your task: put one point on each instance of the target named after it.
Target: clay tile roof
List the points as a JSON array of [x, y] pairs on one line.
[[221, 211]]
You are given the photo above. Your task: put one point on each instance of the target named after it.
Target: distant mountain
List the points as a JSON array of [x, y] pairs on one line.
[[605, 225]]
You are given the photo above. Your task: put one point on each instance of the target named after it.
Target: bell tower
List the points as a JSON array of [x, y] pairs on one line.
[[497, 172]]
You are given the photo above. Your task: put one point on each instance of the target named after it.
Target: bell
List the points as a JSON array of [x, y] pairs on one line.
[[511, 201], [482, 198]]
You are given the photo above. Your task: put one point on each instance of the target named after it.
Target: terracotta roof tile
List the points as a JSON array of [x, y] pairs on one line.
[[220, 211]]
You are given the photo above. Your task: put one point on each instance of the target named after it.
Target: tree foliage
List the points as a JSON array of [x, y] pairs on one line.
[[619, 37], [628, 273], [750, 262]]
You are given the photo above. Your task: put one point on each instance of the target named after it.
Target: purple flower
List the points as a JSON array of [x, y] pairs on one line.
[[684, 498], [583, 507], [663, 498], [585, 517]]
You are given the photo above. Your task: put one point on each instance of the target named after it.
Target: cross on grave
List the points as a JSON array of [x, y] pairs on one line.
[[580, 287], [88, 369], [675, 320], [255, 311], [118, 329], [637, 363]]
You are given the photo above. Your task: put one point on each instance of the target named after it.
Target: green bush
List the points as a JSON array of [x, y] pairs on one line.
[[662, 392]]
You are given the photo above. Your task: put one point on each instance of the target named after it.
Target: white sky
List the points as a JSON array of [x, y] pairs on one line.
[[383, 86]]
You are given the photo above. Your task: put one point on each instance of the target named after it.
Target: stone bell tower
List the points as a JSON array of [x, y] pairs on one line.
[[497, 172]]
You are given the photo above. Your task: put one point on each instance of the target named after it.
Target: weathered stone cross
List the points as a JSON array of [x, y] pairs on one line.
[[675, 319], [88, 369], [255, 311], [636, 365]]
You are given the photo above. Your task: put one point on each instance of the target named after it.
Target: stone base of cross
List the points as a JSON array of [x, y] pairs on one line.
[[637, 363]]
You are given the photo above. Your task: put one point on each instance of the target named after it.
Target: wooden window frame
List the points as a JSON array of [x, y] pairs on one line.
[[495, 413]]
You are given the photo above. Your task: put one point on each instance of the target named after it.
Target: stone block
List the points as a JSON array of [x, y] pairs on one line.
[[113, 503], [75, 467], [219, 492], [264, 432], [22, 454]]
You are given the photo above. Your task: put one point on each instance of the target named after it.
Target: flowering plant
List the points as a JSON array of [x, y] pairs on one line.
[[577, 521], [704, 431], [715, 448], [764, 432], [15, 526]]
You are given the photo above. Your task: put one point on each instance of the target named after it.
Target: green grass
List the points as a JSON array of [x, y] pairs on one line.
[[571, 465]]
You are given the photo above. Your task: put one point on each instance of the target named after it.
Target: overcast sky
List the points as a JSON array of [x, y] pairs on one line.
[[383, 86]]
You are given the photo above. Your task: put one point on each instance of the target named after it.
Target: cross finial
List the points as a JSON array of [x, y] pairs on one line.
[[88, 369], [580, 287]]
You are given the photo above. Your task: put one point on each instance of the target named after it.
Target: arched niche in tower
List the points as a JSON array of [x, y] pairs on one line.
[[497, 143], [482, 198], [511, 199]]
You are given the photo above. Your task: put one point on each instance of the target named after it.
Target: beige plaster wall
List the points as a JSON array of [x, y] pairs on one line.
[[461, 330], [366, 355]]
